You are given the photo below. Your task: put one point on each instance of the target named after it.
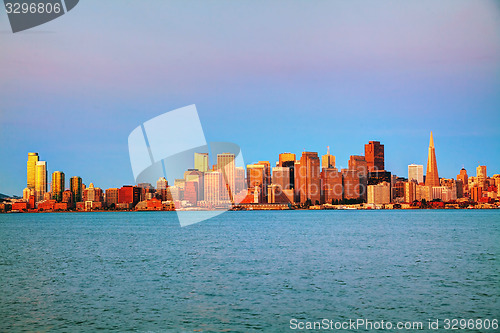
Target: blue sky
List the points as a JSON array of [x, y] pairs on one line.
[[271, 77]]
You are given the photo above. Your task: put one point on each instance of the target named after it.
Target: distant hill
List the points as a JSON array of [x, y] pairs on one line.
[[3, 196]]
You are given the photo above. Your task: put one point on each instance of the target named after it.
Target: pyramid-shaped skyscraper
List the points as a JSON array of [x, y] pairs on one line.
[[432, 177]]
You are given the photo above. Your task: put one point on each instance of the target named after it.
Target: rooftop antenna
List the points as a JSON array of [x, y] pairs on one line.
[[328, 150]]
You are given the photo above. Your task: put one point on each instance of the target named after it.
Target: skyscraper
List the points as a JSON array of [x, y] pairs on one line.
[[288, 160], [432, 177], [281, 177], [201, 161], [31, 170], [331, 182], [481, 172], [286, 157], [225, 165], [462, 176], [256, 176], [416, 172], [75, 186], [328, 161], [212, 180], [267, 170], [308, 174], [57, 185], [40, 180], [358, 164], [161, 183], [374, 156]]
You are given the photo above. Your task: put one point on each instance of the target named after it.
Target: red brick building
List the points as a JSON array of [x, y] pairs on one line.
[[129, 194]]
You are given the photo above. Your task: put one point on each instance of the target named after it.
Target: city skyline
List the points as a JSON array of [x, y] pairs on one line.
[[309, 180], [375, 72], [43, 184]]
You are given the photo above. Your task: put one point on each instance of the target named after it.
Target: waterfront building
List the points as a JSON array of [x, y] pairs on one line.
[[161, 183], [111, 197], [379, 194], [410, 191], [353, 188], [256, 178], [40, 180], [58, 185], [358, 163], [193, 175], [331, 185], [307, 172], [281, 177], [27, 192], [213, 184], [67, 197], [476, 193], [129, 194], [31, 170], [191, 192], [226, 166], [239, 179], [76, 186]]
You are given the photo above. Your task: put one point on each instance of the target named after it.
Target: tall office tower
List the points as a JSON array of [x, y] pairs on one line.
[[328, 161], [193, 175], [161, 183], [379, 194], [27, 193], [281, 177], [374, 156], [191, 192], [410, 191], [465, 180], [288, 160], [112, 197], [75, 186], [213, 182], [41, 180], [331, 184], [481, 172], [267, 170], [225, 164], [286, 157], [309, 176], [358, 163], [256, 176], [481, 176], [201, 161], [129, 194], [353, 187], [57, 185], [239, 178], [432, 177], [31, 170], [416, 173]]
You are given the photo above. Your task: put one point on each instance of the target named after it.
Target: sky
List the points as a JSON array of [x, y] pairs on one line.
[[270, 76]]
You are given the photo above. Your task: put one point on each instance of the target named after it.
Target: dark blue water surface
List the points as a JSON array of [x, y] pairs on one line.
[[245, 271]]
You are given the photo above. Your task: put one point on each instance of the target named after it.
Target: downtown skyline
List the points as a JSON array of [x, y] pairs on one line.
[[311, 180]]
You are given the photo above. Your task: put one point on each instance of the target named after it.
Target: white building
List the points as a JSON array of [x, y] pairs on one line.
[[416, 172]]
